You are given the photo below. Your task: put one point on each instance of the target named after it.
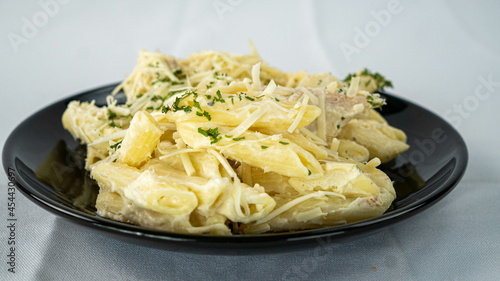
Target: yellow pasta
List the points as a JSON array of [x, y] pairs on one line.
[[225, 144], [140, 140], [382, 140]]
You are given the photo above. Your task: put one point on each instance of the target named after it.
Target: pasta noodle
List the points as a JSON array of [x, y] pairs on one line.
[[222, 144]]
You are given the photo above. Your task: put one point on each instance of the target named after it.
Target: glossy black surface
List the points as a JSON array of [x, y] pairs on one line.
[[48, 168]]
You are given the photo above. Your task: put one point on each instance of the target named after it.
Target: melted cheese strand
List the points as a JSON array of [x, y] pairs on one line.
[[180, 151], [186, 161], [296, 201], [353, 89], [321, 123], [117, 135], [236, 132], [256, 86], [224, 162], [302, 110]]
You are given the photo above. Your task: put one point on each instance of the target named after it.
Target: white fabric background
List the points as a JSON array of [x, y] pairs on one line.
[[435, 52]]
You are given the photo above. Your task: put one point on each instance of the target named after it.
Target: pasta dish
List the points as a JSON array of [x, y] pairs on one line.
[[222, 144]]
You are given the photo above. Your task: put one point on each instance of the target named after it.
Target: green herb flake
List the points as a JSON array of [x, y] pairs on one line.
[[309, 172], [207, 115], [117, 145], [249, 98], [179, 74], [284, 143], [238, 139], [165, 109], [196, 104], [219, 97], [213, 134], [111, 115], [263, 146], [114, 125]]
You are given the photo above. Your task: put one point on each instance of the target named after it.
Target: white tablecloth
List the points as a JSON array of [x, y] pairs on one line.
[[444, 55]]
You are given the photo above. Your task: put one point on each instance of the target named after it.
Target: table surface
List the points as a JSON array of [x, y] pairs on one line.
[[444, 55]]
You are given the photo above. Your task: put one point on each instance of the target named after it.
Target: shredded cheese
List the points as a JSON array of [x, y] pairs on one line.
[[313, 98], [117, 135], [269, 89], [296, 201], [236, 132], [302, 110], [256, 77], [180, 151], [186, 161], [353, 89], [321, 121], [224, 162]]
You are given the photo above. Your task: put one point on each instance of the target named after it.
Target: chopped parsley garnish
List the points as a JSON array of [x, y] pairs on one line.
[[196, 104], [258, 97], [263, 146], [111, 115], [179, 74], [249, 98], [238, 139], [117, 145], [165, 109], [228, 136], [175, 106], [309, 172], [342, 118], [338, 126], [208, 86], [217, 75], [204, 113], [213, 134], [380, 81], [284, 143], [276, 99], [219, 97], [371, 101], [113, 124], [175, 91], [163, 80]]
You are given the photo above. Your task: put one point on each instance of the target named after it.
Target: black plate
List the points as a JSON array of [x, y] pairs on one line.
[[46, 163]]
